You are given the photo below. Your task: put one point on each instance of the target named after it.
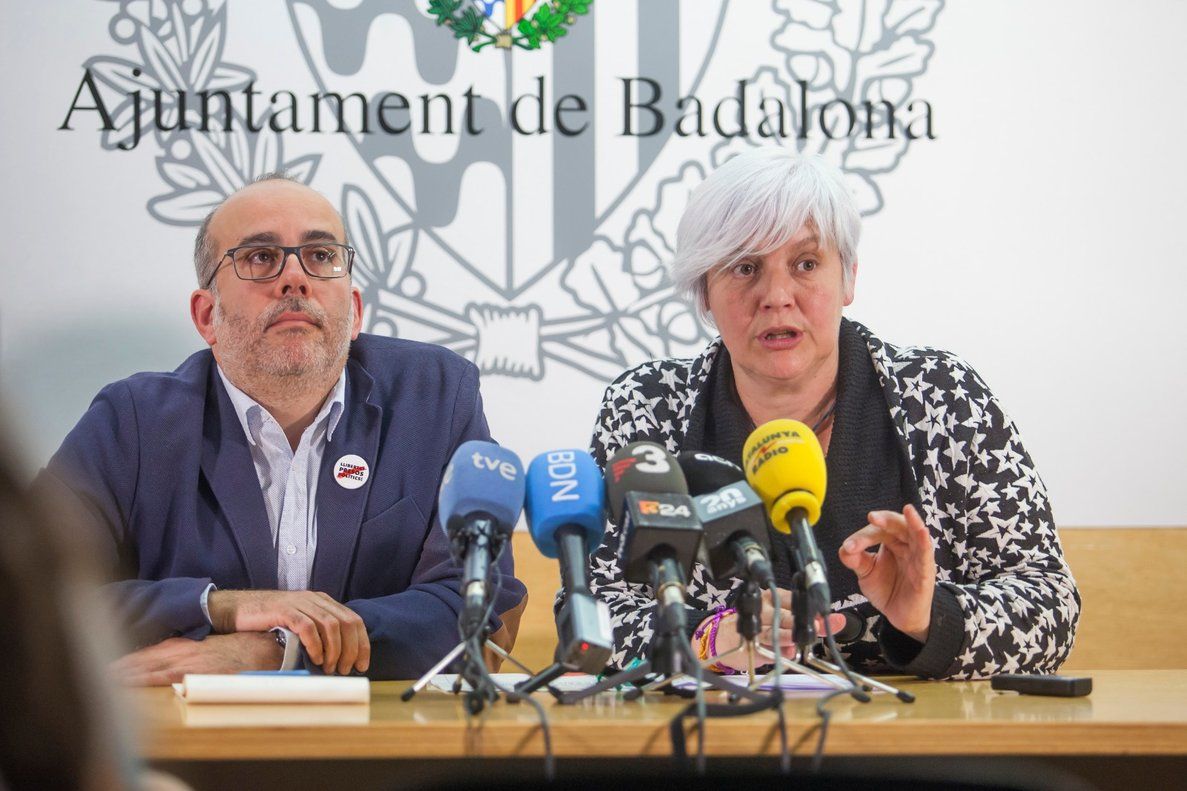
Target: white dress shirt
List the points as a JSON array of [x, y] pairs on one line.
[[288, 480]]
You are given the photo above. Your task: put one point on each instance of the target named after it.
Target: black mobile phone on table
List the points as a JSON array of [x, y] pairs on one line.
[[1057, 686]]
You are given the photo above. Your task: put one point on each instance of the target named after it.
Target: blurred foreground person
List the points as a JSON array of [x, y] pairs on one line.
[[59, 725]]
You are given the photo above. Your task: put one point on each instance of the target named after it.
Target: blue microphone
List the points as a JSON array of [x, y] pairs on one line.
[[565, 504], [566, 517], [479, 503]]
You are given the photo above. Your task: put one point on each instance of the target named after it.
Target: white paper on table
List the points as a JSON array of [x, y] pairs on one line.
[[788, 682], [273, 715], [199, 688], [573, 682]]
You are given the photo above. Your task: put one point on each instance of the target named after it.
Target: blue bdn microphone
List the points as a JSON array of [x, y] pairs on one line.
[[565, 511]]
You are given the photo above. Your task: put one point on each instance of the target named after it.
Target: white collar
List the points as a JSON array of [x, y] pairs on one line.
[[251, 413]]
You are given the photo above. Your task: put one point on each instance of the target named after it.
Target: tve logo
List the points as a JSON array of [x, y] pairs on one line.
[[504, 468]]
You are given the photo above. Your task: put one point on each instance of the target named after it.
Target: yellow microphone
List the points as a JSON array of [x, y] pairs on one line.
[[784, 464]]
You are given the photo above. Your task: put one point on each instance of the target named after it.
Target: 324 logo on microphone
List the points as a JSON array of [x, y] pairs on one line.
[[663, 509]]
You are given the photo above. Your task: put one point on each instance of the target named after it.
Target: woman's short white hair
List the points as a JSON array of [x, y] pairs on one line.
[[754, 204]]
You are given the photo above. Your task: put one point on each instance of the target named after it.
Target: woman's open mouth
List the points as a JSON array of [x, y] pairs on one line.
[[778, 338]]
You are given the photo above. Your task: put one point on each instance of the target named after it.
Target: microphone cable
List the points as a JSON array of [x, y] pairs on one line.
[[784, 752], [856, 690], [704, 710], [474, 645]]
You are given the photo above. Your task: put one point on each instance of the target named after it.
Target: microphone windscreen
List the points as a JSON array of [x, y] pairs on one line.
[[641, 467], [565, 488], [785, 465], [482, 479], [707, 473]]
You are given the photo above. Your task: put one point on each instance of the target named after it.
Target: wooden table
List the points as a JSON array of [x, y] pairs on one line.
[[1128, 713]]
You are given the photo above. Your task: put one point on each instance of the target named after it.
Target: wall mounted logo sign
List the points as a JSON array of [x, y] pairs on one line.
[[507, 23], [516, 203]]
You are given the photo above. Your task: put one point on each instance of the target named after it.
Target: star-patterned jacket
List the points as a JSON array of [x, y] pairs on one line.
[[988, 512]]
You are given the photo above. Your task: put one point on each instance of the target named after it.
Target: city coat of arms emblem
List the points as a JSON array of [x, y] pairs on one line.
[[508, 23]]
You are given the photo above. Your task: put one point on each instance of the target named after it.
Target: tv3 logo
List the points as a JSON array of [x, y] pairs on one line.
[[723, 499], [663, 509], [644, 458]]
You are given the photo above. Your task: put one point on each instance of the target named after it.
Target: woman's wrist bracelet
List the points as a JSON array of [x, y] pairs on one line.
[[714, 626]]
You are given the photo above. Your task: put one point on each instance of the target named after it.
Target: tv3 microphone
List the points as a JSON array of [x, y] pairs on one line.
[[784, 463], [479, 503], [733, 517], [646, 494], [565, 509]]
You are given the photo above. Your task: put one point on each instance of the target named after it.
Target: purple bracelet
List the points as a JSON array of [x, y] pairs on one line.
[[713, 626], [711, 622]]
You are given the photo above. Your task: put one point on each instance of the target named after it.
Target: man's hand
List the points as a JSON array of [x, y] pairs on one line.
[[334, 635], [169, 660], [900, 578], [729, 639]]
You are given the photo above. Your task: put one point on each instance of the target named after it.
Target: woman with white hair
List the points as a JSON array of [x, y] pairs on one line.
[[938, 528]]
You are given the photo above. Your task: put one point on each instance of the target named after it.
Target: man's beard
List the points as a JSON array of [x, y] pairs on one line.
[[246, 349]]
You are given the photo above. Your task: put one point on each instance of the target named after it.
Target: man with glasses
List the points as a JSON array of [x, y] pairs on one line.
[[271, 503]]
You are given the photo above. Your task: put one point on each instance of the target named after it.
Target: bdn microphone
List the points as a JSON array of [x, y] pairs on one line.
[[566, 517], [479, 503], [736, 543], [784, 463], [646, 493]]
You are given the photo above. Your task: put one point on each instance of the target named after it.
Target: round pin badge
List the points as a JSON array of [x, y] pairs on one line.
[[351, 471]]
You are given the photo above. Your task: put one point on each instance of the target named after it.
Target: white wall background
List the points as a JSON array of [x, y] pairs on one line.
[[1038, 237]]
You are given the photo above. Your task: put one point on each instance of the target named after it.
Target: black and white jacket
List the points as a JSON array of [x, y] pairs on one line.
[[1012, 602]]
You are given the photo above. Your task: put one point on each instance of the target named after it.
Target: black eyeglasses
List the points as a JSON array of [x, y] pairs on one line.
[[320, 260]]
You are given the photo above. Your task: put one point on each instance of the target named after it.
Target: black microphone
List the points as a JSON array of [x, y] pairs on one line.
[[736, 541], [647, 495]]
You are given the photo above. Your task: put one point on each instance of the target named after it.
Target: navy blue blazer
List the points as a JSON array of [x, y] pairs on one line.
[[161, 462]]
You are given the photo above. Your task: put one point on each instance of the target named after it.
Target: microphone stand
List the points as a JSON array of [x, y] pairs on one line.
[[670, 655], [835, 672], [810, 606], [544, 677], [579, 622], [803, 632], [749, 607], [866, 681], [837, 669], [480, 691]]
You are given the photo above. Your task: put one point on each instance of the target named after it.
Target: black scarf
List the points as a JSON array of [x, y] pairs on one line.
[[867, 463]]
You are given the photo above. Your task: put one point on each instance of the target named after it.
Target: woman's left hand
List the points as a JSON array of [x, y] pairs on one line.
[[899, 580]]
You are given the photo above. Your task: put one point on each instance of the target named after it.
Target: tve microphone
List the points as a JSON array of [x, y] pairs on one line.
[[733, 517], [785, 465], [566, 517], [646, 493], [479, 503]]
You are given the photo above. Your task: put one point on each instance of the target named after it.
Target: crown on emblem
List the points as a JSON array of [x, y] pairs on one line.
[[508, 23]]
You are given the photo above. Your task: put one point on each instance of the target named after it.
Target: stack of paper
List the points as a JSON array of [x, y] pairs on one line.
[[273, 689]]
